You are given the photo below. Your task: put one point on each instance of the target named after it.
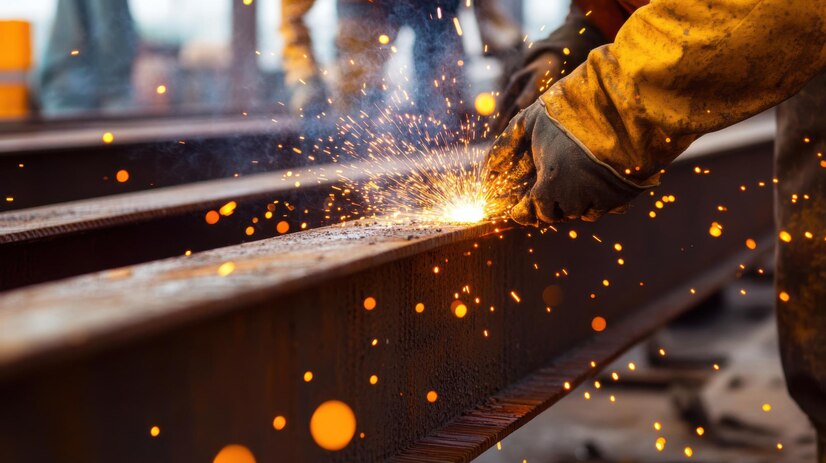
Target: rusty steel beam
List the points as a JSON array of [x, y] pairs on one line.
[[57, 241], [49, 242], [468, 435], [211, 347], [73, 134], [47, 164]]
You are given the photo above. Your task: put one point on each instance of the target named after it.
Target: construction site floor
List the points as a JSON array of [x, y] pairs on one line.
[[721, 372]]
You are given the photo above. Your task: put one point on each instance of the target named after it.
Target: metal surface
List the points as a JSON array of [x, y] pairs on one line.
[[89, 364], [58, 241], [67, 239], [470, 434], [71, 164], [42, 244], [74, 135]]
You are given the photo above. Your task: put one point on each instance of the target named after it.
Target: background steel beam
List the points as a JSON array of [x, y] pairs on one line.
[[50, 242], [57, 241], [48, 164]]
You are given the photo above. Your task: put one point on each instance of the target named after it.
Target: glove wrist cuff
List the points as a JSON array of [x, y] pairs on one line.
[[596, 160]]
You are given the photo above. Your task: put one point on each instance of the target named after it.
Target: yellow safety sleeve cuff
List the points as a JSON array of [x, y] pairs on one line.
[[680, 69]]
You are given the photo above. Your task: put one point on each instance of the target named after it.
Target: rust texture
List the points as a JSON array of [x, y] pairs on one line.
[[470, 434]]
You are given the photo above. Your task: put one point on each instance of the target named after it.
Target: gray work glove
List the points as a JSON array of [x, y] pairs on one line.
[[543, 64], [543, 175]]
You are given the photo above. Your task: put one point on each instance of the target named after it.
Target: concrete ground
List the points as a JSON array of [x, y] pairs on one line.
[[742, 409]]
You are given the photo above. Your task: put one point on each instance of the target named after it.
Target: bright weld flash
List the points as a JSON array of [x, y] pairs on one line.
[[419, 177], [464, 210]]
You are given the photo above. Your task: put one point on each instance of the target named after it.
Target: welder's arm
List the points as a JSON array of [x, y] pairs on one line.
[[301, 73], [677, 70]]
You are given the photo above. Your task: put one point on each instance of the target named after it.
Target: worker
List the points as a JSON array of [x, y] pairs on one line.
[[301, 71], [88, 61], [673, 71], [366, 29]]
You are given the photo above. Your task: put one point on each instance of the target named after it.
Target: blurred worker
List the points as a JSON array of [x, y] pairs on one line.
[[437, 50], [500, 34], [88, 60], [675, 71], [366, 31], [301, 72]]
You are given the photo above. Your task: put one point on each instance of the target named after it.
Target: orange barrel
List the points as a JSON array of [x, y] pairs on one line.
[[15, 61]]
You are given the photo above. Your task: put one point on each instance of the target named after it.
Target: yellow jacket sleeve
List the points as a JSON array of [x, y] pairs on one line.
[[299, 61], [679, 69]]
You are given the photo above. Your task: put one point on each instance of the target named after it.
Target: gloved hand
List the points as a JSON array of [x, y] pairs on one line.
[[525, 86], [544, 63], [542, 174]]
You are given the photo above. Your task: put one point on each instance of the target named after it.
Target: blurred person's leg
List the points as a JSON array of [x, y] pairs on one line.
[[115, 40], [88, 60], [800, 203], [439, 78], [361, 56], [67, 81], [301, 73]]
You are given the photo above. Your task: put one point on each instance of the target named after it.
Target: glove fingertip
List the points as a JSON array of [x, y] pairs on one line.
[[620, 209], [523, 212]]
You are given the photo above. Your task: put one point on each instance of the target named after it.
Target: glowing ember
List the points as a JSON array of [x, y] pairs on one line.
[[279, 422], [226, 268], [485, 103], [234, 453], [598, 324], [660, 444], [333, 425]]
